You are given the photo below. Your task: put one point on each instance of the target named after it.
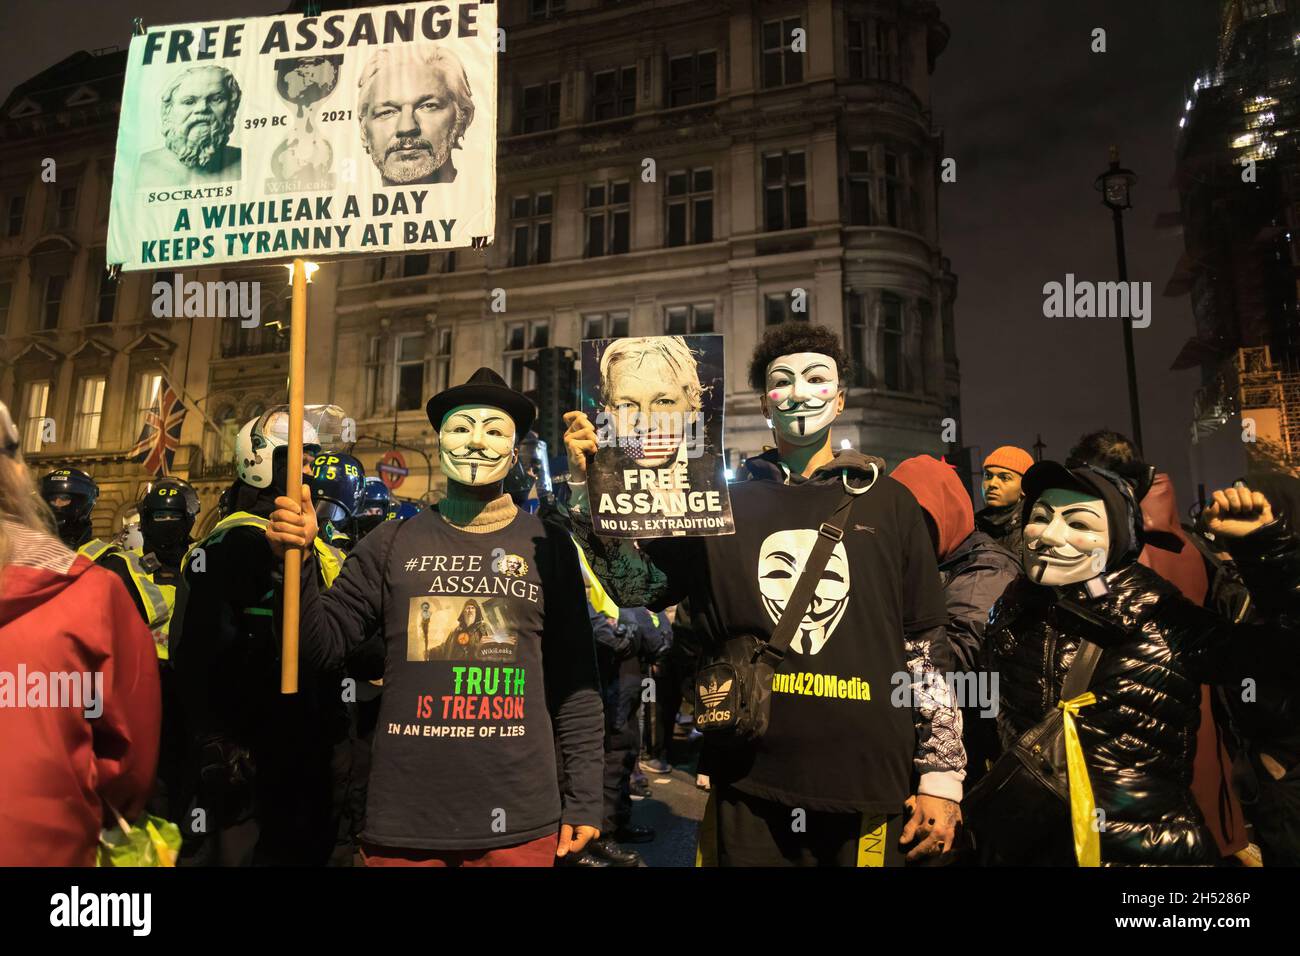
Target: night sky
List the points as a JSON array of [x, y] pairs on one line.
[[1028, 112]]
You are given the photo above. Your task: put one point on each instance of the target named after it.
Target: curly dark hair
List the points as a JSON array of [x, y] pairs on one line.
[[795, 337], [1106, 449]]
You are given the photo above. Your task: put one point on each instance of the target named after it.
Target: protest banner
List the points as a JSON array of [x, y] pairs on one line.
[[288, 136], [358, 131], [657, 404]]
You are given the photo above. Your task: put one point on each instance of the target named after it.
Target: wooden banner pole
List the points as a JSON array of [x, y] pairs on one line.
[[293, 483]]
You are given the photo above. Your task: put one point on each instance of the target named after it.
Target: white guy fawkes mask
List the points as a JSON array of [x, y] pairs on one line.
[[781, 560], [802, 392], [1067, 538], [476, 444]]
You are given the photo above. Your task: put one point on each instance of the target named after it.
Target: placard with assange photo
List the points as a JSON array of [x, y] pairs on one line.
[[657, 403]]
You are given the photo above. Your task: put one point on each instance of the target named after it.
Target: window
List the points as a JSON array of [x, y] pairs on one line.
[[35, 407], [692, 79], [925, 315], [544, 9], [602, 325], [52, 301], [67, 207], [374, 375], [107, 296], [689, 214], [523, 339], [781, 65], [151, 384], [688, 319], [613, 93], [859, 187], [86, 416], [530, 229], [893, 369], [784, 198], [221, 443], [17, 210], [779, 308], [608, 213], [408, 373], [415, 265], [441, 361], [270, 335], [857, 337], [857, 40], [895, 190], [883, 52], [6, 295], [539, 108]]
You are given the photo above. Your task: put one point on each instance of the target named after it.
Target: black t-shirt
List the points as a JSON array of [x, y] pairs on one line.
[[487, 640], [836, 741]]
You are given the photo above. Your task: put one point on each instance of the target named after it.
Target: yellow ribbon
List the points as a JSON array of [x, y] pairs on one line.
[[1083, 809]]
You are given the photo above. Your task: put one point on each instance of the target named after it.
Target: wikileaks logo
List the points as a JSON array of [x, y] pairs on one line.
[[75, 909]]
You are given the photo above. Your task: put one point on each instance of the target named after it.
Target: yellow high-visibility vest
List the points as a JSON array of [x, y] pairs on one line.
[[329, 559], [157, 602], [97, 548]]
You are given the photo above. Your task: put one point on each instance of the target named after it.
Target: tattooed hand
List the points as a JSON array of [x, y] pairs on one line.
[[933, 825]]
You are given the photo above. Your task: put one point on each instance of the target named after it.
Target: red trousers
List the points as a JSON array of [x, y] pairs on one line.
[[539, 852]]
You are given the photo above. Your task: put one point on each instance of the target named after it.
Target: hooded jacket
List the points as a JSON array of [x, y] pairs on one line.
[[1139, 738], [836, 743], [973, 568], [60, 765]]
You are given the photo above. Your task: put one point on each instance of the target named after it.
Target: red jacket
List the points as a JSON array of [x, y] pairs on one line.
[[61, 615]]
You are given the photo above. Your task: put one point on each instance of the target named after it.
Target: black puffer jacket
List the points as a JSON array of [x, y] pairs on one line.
[[1139, 738]]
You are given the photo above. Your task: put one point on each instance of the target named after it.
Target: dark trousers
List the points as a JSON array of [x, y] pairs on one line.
[[1274, 810], [749, 831], [621, 689], [661, 713]]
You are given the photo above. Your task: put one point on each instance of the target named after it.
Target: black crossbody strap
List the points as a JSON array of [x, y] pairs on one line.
[[1080, 674], [828, 535]]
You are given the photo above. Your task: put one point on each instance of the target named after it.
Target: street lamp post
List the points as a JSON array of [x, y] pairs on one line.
[[1115, 185]]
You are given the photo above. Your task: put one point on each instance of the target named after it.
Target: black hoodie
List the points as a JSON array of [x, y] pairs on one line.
[[842, 736]]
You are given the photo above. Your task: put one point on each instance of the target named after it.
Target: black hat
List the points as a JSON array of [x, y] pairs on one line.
[[1116, 493], [485, 387]]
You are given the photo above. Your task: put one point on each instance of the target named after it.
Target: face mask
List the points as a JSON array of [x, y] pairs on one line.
[[802, 396], [1067, 538], [476, 444]]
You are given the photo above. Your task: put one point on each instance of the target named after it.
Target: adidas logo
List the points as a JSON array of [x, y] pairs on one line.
[[864, 527], [713, 695]]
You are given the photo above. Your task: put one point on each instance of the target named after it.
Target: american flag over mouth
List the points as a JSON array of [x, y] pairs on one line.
[[653, 445], [161, 434]]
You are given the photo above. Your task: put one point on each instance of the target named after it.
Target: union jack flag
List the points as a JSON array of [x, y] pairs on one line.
[[161, 434]]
